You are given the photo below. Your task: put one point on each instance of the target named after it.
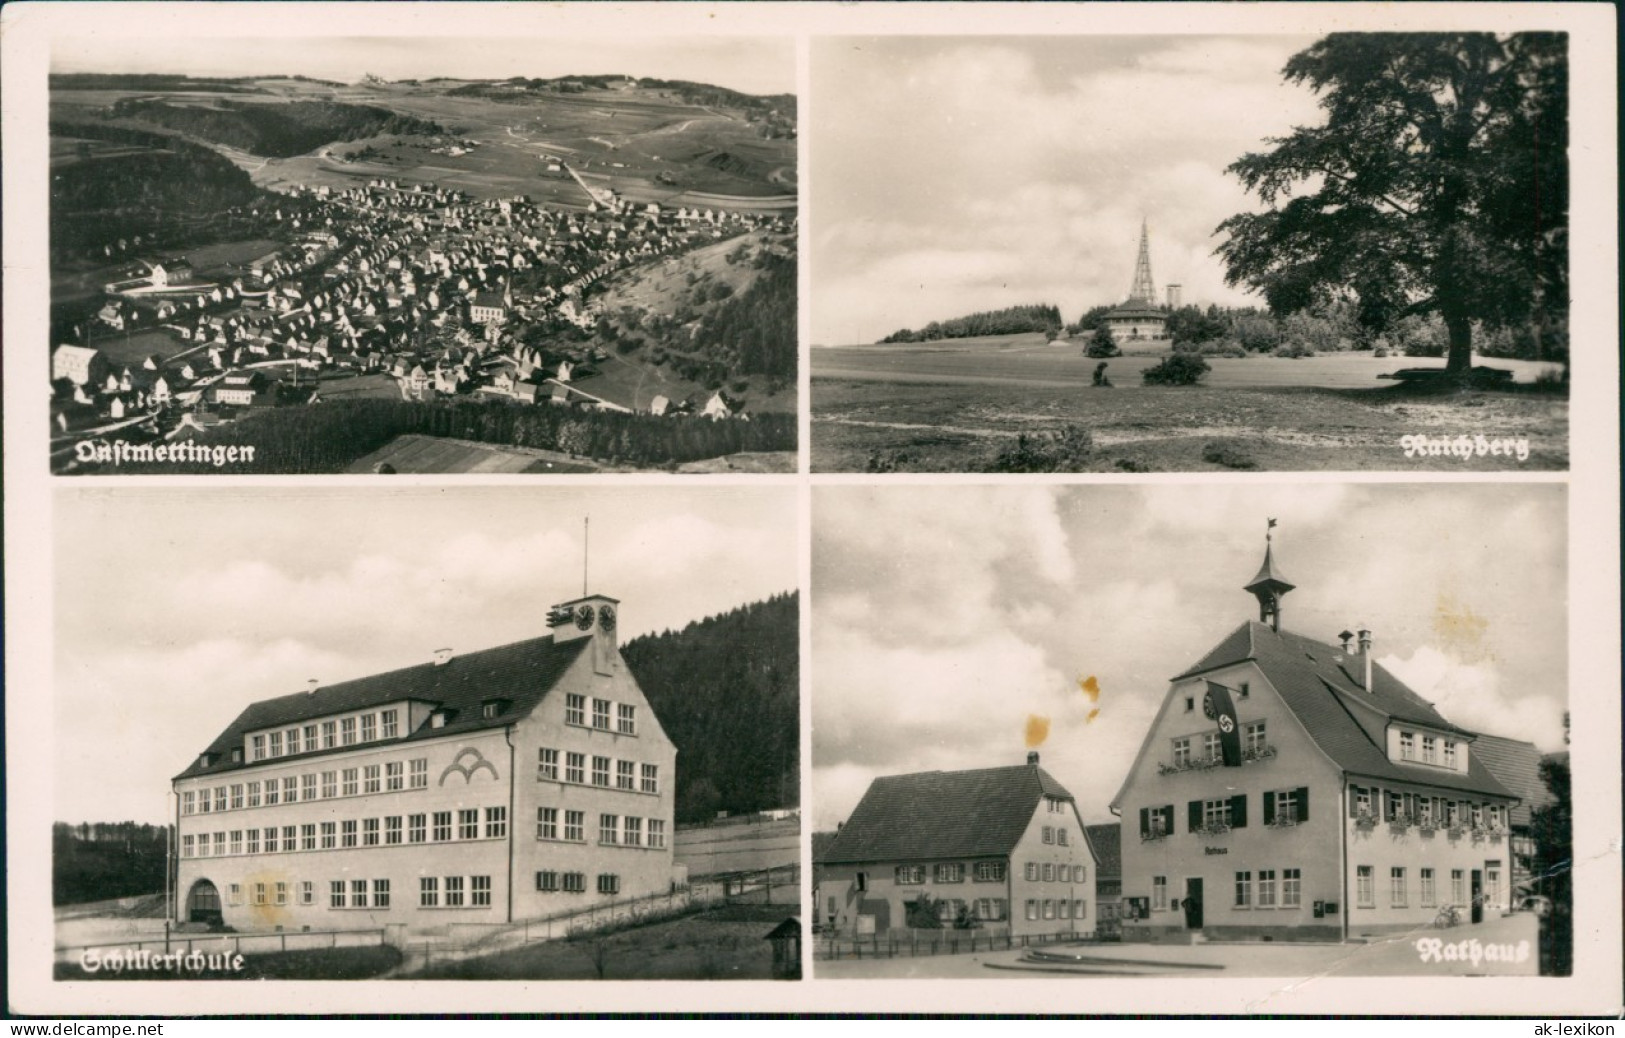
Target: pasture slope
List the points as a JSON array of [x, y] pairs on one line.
[[953, 406]]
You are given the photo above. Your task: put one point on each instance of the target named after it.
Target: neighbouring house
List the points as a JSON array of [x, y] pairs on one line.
[[1106, 841], [81, 365], [996, 848], [509, 783]]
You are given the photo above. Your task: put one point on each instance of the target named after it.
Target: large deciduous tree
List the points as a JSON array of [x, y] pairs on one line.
[[1437, 184]]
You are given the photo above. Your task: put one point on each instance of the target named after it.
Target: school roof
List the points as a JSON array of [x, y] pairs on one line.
[[1325, 688], [943, 814], [522, 673]]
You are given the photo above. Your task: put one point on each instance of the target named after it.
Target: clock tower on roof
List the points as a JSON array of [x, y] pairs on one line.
[[1269, 587]]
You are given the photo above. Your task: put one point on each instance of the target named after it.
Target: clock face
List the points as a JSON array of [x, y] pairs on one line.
[[584, 617], [1207, 706], [606, 618]]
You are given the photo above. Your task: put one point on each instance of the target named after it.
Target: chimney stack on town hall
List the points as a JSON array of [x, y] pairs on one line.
[[1032, 758], [1365, 653]]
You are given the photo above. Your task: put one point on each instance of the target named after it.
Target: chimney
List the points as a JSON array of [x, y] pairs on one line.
[[1032, 758], [313, 684], [442, 657], [1346, 637], [1365, 654]]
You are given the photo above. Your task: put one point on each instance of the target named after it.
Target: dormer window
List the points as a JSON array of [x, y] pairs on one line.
[[439, 718], [493, 708], [236, 754], [1430, 750], [1407, 745], [1450, 753]]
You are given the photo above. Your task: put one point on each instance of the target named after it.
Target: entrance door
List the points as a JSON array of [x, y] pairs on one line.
[[1193, 903], [203, 903], [1478, 895]]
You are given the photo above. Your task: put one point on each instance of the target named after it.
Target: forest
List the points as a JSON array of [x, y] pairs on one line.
[[1012, 320], [726, 691], [104, 860], [754, 333], [276, 131], [330, 436]]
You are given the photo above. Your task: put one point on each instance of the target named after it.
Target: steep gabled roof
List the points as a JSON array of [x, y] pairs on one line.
[[1107, 842], [943, 814], [1322, 685], [1517, 765], [522, 673]]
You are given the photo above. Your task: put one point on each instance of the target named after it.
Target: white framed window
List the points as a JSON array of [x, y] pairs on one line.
[[609, 883], [1064, 909], [1365, 895], [1396, 887], [1159, 893], [1266, 888], [372, 779], [1032, 909], [632, 831], [330, 835], [1430, 896], [547, 823], [389, 725], [988, 872], [626, 718], [496, 822], [600, 714], [352, 782], [307, 892], [1492, 883], [1216, 812], [311, 742], [1430, 750], [273, 792], [1254, 737], [236, 841], [657, 832], [948, 872], [347, 730], [1182, 752], [253, 794], [1049, 834], [1031, 871], [442, 826], [609, 827], [419, 768], [1211, 747], [187, 846], [369, 727], [259, 894], [1060, 835], [358, 893], [330, 734], [1049, 908], [428, 892], [1450, 753], [547, 881], [380, 893], [1049, 872], [307, 786], [547, 765], [417, 829], [290, 789], [600, 771], [281, 892], [454, 892], [307, 836], [468, 823], [479, 891], [1291, 888], [336, 894], [251, 837], [237, 797], [330, 785], [276, 744], [574, 882], [575, 768], [348, 833], [369, 832], [290, 738], [1458, 886], [394, 776], [624, 777], [257, 747], [575, 709], [575, 826], [650, 778], [220, 798], [189, 802], [271, 839], [1244, 890], [1407, 745], [392, 829]]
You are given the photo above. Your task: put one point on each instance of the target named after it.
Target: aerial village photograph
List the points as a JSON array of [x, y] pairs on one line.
[[558, 741], [1125, 253], [423, 255], [1191, 731]]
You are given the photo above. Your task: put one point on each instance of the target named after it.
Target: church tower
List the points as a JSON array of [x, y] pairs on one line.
[[1269, 586]]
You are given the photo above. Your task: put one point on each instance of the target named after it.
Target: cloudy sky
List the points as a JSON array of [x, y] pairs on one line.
[[955, 174], [944, 618], [176, 608], [750, 64]]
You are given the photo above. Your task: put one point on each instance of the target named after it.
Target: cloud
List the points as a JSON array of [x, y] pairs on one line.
[[1473, 696]]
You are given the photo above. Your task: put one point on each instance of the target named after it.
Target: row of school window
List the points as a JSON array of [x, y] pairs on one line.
[[625, 714], [1365, 894], [550, 881], [951, 872], [629, 776], [391, 830], [1430, 749], [613, 830], [1387, 805], [364, 780], [1269, 888], [1254, 740], [1051, 908], [1282, 807], [326, 735]]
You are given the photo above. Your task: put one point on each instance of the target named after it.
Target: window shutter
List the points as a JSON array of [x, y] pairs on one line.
[[1269, 808], [1354, 801], [1238, 811], [1145, 822], [1168, 818], [1193, 815], [1379, 803], [1303, 803]]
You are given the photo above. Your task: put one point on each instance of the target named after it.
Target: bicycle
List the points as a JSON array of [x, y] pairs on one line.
[[1449, 915]]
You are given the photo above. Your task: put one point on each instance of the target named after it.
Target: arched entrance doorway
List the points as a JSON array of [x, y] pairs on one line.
[[203, 903]]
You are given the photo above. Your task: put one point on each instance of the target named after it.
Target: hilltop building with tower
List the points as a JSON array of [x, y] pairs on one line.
[[1291, 788], [504, 784], [1139, 317]]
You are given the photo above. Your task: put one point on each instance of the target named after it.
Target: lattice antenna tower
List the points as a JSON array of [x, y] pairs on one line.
[[1144, 288]]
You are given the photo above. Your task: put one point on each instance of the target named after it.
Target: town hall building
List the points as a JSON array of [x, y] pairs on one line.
[[1292, 789], [504, 784]]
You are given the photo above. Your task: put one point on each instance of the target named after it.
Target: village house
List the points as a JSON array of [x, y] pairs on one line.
[[1000, 848], [503, 784]]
